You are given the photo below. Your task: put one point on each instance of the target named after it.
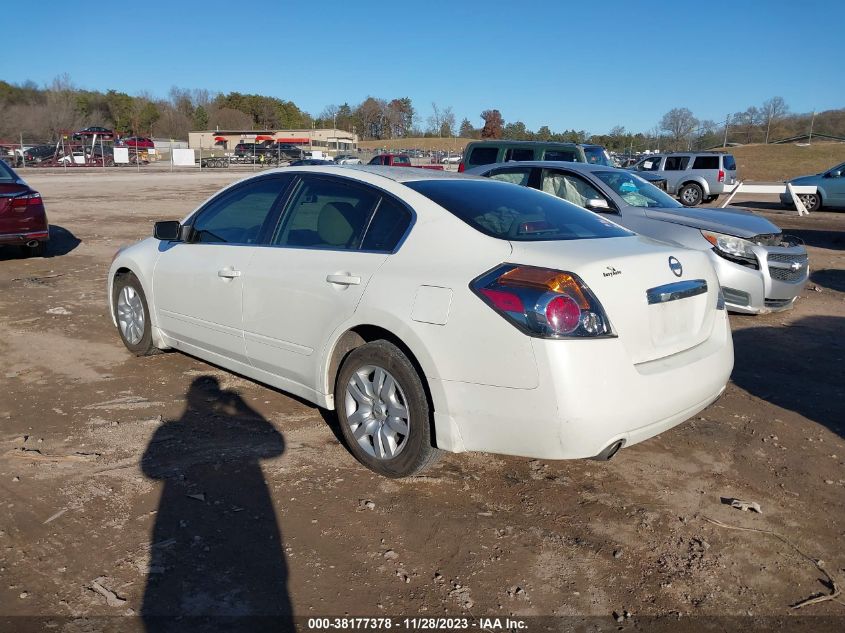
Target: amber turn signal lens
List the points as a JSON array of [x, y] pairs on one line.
[[548, 279]]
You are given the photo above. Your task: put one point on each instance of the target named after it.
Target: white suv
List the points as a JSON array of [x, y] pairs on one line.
[[694, 177]]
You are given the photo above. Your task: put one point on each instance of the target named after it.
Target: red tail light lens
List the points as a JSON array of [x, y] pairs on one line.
[[27, 200], [721, 175], [461, 167], [543, 302]]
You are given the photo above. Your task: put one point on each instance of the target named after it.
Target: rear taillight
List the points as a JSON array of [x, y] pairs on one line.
[[461, 166], [543, 302], [27, 200], [721, 175]]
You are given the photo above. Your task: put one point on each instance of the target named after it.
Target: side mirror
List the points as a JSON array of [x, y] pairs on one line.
[[597, 203], [168, 231], [835, 174]]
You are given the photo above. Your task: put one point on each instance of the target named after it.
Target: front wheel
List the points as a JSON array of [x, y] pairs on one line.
[[811, 201], [690, 194], [133, 315], [383, 411]]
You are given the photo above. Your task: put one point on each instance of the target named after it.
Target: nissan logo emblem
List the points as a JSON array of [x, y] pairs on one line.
[[675, 266]]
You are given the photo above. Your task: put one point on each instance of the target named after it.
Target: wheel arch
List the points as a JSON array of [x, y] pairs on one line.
[[701, 182]]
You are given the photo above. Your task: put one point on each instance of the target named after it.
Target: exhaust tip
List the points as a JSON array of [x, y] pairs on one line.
[[609, 451], [32, 243]]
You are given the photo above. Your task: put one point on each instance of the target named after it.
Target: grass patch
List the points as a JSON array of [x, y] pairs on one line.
[[776, 163]]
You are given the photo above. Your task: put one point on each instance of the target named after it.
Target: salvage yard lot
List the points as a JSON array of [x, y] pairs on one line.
[[138, 475]]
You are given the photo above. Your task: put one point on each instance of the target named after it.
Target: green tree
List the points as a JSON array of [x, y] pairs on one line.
[[200, 119]]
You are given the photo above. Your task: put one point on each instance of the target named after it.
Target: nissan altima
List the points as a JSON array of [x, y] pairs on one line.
[[433, 311]]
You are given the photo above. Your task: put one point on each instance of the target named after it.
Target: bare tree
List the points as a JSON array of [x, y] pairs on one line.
[[435, 121], [679, 123], [773, 111]]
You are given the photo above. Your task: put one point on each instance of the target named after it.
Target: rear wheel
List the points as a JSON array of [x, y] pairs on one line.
[[690, 194], [811, 201], [133, 315], [383, 411]]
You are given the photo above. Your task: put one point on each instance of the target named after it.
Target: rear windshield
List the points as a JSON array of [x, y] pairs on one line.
[[484, 156], [510, 212], [6, 174], [597, 156], [729, 162]]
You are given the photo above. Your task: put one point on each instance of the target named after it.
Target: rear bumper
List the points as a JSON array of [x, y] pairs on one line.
[[23, 238], [590, 396]]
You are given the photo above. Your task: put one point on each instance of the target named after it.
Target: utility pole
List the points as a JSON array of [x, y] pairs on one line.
[[769, 123], [727, 122], [812, 122]]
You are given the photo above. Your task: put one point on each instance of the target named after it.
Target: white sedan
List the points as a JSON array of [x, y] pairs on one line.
[[434, 311]]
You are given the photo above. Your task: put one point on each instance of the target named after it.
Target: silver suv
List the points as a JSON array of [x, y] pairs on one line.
[[693, 177]]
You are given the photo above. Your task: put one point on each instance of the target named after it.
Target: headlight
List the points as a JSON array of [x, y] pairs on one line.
[[732, 248]]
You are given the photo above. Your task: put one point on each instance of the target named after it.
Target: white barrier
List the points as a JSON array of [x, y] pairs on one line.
[[183, 157], [793, 190], [121, 155]]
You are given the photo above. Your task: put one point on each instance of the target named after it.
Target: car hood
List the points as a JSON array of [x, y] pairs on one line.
[[731, 222]]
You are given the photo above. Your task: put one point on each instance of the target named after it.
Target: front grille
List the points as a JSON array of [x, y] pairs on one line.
[[789, 268]]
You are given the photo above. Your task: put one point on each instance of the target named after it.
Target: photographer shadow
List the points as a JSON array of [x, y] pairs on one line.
[[216, 555]]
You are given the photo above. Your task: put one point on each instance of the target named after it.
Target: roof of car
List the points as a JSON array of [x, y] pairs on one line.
[[397, 174], [546, 163]]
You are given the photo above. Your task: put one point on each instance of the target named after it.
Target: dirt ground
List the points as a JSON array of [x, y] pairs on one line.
[[117, 498]]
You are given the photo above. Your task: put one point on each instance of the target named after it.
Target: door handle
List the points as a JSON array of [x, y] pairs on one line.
[[343, 279], [228, 273]]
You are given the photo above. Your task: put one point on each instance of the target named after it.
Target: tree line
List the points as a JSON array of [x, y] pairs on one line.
[[44, 113]]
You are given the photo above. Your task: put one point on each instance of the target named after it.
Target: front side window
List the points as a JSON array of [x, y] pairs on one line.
[[515, 213], [597, 156], [635, 191], [375, 161], [570, 187], [676, 163], [238, 215], [563, 155], [326, 213], [649, 164], [514, 175]]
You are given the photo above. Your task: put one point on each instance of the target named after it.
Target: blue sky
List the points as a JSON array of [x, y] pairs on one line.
[[583, 65]]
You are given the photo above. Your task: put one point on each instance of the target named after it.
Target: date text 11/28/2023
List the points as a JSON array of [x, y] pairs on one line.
[[414, 624]]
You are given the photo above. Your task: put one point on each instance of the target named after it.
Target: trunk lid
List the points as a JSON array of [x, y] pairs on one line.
[[9, 190], [622, 273]]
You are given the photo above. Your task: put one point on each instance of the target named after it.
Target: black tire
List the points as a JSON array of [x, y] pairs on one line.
[[691, 194], [144, 346], [415, 451], [811, 201]]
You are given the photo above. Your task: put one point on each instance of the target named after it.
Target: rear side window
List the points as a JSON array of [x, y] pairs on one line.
[[729, 162], [519, 153], [676, 163], [401, 160], [515, 213], [514, 175], [706, 162], [483, 155], [387, 227]]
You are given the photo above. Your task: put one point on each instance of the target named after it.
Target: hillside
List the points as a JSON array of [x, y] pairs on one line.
[[775, 163]]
